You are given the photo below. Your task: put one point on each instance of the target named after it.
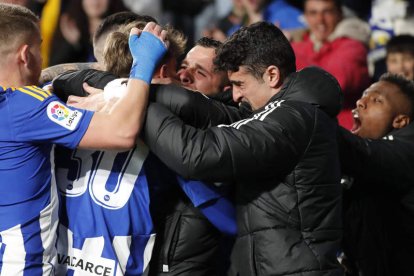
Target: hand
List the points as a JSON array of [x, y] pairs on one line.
[[69, 29], [94, 102], [147, 49], [166, 81]]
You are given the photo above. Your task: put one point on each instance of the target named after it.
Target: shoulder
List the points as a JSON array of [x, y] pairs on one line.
[[28, 98], [282, 114], [348, 43], [32, 94]]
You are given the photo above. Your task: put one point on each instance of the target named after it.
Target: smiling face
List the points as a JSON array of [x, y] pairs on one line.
[[401, 63], [197, 72], [322, 17], [378, 110]]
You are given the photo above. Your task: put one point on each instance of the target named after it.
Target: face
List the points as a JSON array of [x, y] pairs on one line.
[[322, 17], [95, 8], [402, 64], [197, 72], [246, 88], [377, 109]]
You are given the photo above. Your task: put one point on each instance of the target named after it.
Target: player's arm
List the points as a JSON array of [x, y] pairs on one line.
[[48, 74], [119, 128]]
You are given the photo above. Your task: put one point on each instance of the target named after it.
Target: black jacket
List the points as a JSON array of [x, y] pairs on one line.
[[379, 206], [284, 162]]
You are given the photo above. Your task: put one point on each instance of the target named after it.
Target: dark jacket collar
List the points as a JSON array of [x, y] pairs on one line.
[[315, 86]]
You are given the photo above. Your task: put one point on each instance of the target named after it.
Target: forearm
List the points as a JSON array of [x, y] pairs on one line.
[[118, 127], [48, 74]]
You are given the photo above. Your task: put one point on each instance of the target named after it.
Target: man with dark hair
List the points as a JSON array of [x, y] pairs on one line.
[[377, 157], [400, 56], [282, 160], [197, 71]]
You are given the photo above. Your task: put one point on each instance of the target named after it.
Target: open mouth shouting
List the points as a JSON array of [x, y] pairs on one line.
[[357, 122]]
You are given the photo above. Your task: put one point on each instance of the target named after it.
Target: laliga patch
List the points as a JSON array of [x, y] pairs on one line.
[[63, 116]]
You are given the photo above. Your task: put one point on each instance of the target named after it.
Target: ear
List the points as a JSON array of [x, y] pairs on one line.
[[400, 121], [163, 71], [227, 88], [24, 54], [272, 76]]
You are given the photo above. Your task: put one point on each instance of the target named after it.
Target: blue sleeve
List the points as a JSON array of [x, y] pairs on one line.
[[46, 119], [222, 214], [218, 209]]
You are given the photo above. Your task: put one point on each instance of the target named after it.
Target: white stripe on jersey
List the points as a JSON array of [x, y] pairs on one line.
[[259, 116], [13, 261], [49, 220], [121, 246], [148, 252], [14, 254]]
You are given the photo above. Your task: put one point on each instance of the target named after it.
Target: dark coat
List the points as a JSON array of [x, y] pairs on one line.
[[284, 161], [379, 206]]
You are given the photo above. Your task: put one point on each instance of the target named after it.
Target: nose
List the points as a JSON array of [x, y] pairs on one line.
[[237, 96], [361, 103], [319, 17], [186, 77]]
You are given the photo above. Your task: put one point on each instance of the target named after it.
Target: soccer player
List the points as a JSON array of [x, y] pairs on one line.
[[32, 120], [139, 179]]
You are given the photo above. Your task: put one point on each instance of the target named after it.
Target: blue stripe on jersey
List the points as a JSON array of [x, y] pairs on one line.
[[2, 249], [33, 247]]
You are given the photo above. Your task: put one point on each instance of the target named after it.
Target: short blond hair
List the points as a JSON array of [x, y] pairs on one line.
[[17, 25], [117, 57]]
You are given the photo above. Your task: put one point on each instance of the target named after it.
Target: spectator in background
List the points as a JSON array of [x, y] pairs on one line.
[[246, 12], [336, 45], [73, 39], [278, 12], [377, 157], [223, 26], [197, 71], [400, 56]]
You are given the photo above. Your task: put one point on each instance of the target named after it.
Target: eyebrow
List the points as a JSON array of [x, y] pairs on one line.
[[235, 82], [196, 65]]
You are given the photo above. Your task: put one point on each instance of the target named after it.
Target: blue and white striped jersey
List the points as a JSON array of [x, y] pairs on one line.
[[31, 120], [105, 222]]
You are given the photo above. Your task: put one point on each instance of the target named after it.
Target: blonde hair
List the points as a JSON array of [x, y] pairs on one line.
[[17, 25], [117, 57]]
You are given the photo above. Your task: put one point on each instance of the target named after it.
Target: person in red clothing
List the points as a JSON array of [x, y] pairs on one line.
[[336, 45]]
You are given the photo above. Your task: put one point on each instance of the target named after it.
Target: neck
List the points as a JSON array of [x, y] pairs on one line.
[[93, 24], [12, 75], [10, 78]]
